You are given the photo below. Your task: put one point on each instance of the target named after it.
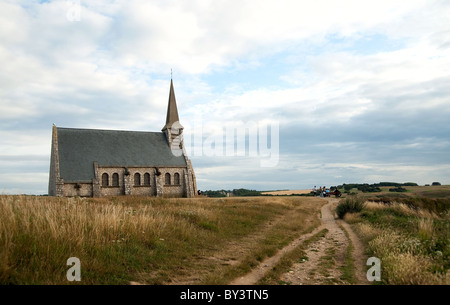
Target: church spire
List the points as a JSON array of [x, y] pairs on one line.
[[172, 111]]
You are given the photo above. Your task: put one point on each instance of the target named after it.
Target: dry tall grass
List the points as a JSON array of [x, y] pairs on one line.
[[425, 228], [412, 243], [37, 236], [119, 238]]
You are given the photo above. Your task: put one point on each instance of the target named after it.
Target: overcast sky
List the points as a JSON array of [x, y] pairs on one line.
[[342, 91]]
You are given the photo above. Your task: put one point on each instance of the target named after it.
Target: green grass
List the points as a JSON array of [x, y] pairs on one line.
[[326, 262], [348, 269], [352, 204]]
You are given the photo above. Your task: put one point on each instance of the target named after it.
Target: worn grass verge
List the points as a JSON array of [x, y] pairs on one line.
[[300, 220], [348, 269], [286, 262]]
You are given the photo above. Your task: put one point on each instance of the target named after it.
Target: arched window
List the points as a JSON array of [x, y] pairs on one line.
[[147, 179], [115, 179], [176, 179], [137, 179], [167, 180], [105, 179]]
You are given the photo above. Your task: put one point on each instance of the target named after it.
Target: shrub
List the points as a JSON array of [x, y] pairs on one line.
[[245, 192], [349, 205], [366, 188], [398, 189]]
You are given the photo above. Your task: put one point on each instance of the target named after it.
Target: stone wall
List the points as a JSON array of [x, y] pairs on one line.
[[59, 187], [172, 189], [111, 190], [128, 186], [140, 188], [77, 189], [54, 166]]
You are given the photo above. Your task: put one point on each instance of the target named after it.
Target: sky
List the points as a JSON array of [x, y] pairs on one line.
[[272, 94]]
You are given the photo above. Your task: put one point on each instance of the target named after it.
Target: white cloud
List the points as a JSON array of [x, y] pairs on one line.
[[25, 142], [111, 70], [197, 36]]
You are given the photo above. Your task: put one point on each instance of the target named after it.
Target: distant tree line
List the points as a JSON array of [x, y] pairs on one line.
[[398, 189], [235, 192], [363, 187], [221, 193], [375, 187], [245, 192]]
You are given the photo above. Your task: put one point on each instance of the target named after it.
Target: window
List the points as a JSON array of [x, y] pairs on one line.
[[176, 179], [147, 179], [105, 179], [115, 179], [137, 179], [167, 180]]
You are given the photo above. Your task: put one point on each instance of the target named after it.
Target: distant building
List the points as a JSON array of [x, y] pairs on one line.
[[91, 162]]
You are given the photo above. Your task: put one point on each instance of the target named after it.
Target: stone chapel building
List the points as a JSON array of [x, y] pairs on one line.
[[91, 162]]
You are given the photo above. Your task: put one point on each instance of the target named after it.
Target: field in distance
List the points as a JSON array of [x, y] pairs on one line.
[[287, 192], [432, 191]]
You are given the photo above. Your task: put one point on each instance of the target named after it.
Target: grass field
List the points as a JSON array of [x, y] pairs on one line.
[[433, 192], [147, 240], [120, 240]]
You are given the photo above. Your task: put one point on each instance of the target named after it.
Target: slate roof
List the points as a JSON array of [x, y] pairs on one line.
[[79, 148]]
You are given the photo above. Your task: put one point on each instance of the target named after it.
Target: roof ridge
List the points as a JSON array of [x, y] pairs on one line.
[[107, 130]]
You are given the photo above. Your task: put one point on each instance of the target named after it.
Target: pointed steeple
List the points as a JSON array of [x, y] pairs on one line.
[[172, 111]]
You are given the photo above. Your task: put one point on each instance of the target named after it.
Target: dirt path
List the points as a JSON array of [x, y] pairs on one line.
[[323, 261]]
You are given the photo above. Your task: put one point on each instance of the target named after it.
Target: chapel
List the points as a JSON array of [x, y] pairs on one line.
[[95, 163]]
